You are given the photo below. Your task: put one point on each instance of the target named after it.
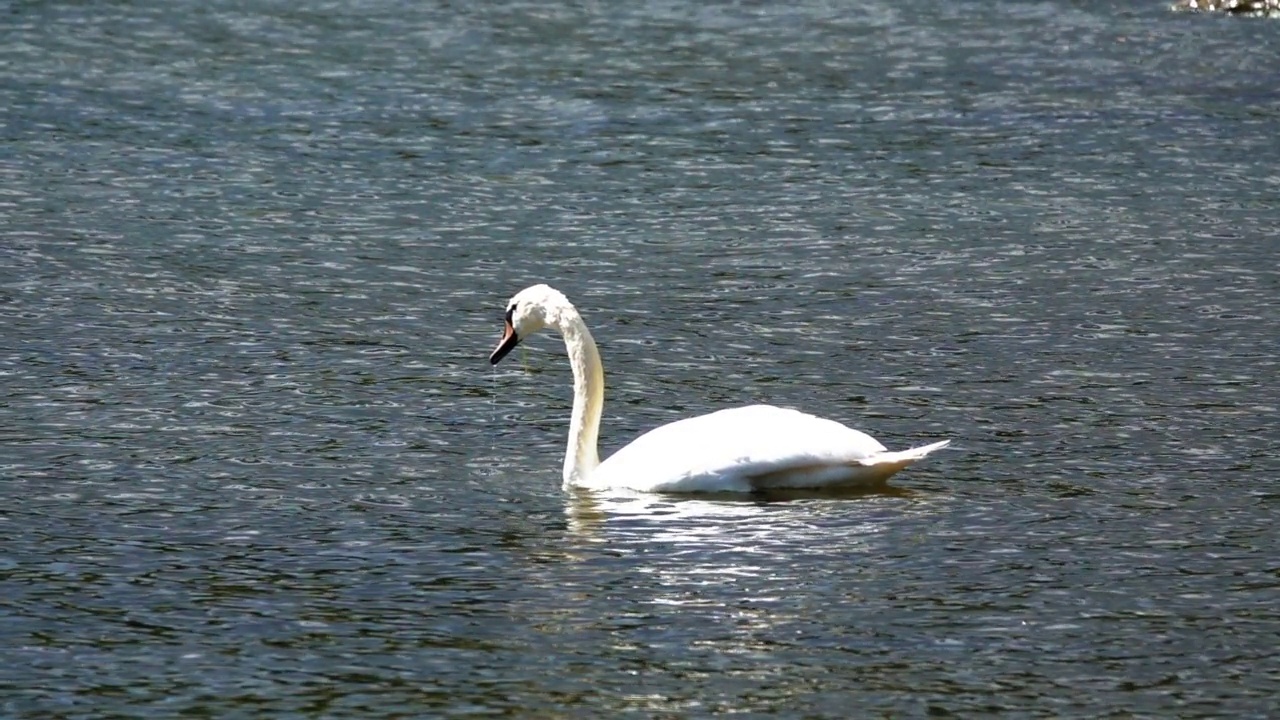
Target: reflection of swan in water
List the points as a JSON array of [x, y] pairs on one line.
[[680, 581], [747, 449], [711, 522]]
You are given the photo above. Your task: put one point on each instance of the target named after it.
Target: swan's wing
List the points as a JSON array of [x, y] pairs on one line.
[[750, 448]]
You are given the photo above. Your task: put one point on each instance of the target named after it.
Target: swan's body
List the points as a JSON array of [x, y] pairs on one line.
[[747, 449]]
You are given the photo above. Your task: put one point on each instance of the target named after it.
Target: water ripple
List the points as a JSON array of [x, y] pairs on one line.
[[254, 259]]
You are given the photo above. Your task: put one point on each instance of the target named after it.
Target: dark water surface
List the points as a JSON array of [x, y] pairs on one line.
[[254, 256]]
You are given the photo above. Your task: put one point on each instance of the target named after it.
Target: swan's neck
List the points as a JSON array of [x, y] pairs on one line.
[[582, 455]]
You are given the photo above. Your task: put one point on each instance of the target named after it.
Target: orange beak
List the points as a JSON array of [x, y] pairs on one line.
[[509, 340]]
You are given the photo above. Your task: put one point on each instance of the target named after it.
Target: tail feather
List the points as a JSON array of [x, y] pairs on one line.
[[869, 471], [903, 458]]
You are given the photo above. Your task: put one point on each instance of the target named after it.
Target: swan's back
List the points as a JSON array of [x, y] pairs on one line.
[[750, 448]]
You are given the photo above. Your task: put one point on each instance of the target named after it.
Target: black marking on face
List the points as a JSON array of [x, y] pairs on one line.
[[509, 338]]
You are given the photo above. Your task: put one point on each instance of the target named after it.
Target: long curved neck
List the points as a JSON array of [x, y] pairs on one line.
[[582, 455]]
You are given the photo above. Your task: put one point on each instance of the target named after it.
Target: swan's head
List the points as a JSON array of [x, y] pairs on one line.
[[529, 311]]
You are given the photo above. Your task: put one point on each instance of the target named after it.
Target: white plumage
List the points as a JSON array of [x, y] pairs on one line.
[[746, 449]]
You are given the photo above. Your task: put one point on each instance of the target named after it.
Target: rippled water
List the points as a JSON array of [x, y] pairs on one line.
[[255, 256]]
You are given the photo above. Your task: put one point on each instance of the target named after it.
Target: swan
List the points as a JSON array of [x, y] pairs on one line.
[[746, 449]]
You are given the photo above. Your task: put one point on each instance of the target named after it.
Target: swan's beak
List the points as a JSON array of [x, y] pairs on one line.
[[508, 341]]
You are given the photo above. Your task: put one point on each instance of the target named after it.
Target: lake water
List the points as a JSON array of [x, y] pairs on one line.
[[255, 255]]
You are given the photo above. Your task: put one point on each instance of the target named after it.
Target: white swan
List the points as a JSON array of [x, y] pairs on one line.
[[746, 449]]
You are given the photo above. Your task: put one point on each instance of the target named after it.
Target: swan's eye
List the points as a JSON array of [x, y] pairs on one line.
[[511, 311]]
